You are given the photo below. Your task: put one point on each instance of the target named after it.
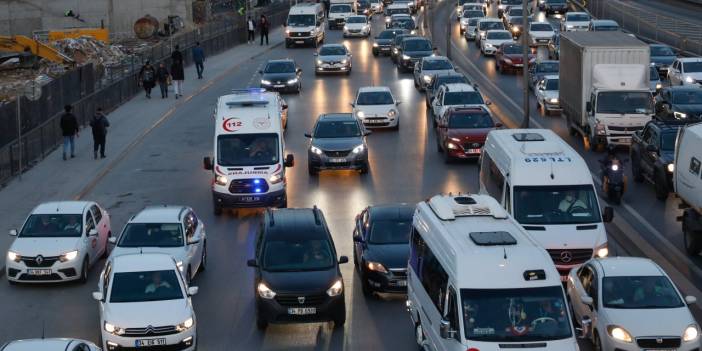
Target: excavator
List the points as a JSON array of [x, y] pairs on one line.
[[27, 49]]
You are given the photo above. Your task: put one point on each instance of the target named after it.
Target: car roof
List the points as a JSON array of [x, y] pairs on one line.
[[576, 13], [604, 21], [660, 45], [467, 109], [416, 38], [397, 6], [159, 214], [141, 262], [400, 15], [540, 22], [361, 16], [305, 223], [373, 89], [435, 58], [62, 207], [337, 116], [497, 31], [280, 60], [38, 344], [400, 211], [690, 59], [551, 76], [458, 87], [490, 19], [628, 266], [333, 46]]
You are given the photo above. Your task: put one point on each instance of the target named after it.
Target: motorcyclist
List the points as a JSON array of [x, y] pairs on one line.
[[607, 160]]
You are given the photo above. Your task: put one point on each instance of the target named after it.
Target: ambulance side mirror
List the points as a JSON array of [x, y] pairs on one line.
[[207, 163], [289, 160]]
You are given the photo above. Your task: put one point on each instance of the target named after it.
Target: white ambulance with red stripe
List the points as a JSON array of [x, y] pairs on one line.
[[248, 163]]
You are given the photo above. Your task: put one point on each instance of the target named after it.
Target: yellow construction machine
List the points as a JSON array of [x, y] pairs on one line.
[[24, 45]]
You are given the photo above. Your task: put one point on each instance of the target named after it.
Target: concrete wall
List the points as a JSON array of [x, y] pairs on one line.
[[25, 16]]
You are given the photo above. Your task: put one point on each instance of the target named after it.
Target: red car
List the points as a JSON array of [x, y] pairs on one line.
[[509, 57], [461, 132]]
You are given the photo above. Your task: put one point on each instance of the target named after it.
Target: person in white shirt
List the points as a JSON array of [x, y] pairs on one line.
[[251, 26]]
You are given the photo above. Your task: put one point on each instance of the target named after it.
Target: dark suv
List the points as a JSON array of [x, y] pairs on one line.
[[652, 154], [680, 102], [410, 51], [338, 141], [297, 278]]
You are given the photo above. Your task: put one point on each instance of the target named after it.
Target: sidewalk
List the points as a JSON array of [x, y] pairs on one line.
[[54, 179]]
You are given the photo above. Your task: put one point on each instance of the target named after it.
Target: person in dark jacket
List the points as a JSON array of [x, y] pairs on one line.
[[99, 124], [199, 58], [177, 71], [69, 129], [162, 77], [147, 76], [264, 25]]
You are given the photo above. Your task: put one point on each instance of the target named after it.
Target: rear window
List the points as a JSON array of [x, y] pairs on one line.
[[470, 120]]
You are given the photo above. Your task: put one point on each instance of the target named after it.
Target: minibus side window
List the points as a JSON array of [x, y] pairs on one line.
[[491, 177]]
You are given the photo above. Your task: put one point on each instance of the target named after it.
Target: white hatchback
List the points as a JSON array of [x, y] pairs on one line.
[[630, 303], [59, 241], [493, 39], [540, 33], [172, 230], [376, 107], [357, 26], [49, 344], [575, 22], [145, 303]]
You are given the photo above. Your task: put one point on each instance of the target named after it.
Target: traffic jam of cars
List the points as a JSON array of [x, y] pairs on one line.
[[525, 262]]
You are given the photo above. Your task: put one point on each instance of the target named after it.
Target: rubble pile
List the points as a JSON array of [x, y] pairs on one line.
[[86, 49], [16, 80]]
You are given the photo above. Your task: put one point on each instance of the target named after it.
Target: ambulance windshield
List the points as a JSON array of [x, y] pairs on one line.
[[238, 150]]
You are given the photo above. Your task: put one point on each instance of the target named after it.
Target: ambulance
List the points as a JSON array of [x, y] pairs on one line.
[[248, 165]]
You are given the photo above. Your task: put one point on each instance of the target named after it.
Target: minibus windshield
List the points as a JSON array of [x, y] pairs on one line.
[[569, 204]]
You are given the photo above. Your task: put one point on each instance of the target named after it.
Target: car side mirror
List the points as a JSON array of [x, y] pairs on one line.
[[298, 70], [588, 106], [499, 125], [651, 148], [445, 330], [586, 299], [690, 300], [13, 232], [260, 71], [207, 163], [343, 259], [352, 104], [251, 263], [97, 295], [284, 107], [314, 54], [358, 238], [112, 240], [193, 241], [397, 103], [367, 133], [488, 103], [308, 135], [192, 290], [289, 161], [608, 214], [584, 330]]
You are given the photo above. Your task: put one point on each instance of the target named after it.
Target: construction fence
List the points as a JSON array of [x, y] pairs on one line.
[[86, 88]]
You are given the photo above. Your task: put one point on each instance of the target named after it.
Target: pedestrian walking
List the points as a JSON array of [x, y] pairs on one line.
[[177, 71], [163, 78], [251, 25], [199, 58], [147, 76], [69, 129], [263, 25], [99, 124]]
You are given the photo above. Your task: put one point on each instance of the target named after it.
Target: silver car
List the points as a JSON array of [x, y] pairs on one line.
[[333, 58], [338, 141], [428, 67]]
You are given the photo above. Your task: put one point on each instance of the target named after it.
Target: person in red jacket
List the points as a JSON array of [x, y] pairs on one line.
[[264, 25]]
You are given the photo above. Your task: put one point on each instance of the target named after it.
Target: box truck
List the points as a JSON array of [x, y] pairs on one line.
[[604, 86], [687, 182]]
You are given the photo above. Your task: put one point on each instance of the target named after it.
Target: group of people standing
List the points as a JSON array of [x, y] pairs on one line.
[[149, 75], [263, 25]]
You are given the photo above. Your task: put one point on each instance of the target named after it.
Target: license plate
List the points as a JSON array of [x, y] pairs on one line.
[[337, 160], [250, 198], [39, 271], [279, 86], [473, 151], [301, 311], [402, 283], [564, 278], [299, 41], [374, 121], [150, 342], [518, 65]]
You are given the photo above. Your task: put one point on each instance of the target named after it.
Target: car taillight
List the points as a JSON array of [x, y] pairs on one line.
[[472, 349]]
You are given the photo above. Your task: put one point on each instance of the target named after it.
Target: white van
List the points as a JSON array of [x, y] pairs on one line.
[[547, 187], [248, 165], [477, 281], [305, 25]]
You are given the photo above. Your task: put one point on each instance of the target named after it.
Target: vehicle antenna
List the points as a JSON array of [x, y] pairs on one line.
[[504, 250], [43, 323], [552, 176]]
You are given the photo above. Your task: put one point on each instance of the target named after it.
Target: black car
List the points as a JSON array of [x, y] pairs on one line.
[[297, 277], [410, 51], [440, 79], [680, 102], [381, 247], [383, 42], [338, 141], [395, 46], [540, 69], [662, 56], [281, 75], [652, 155], [553, 6]]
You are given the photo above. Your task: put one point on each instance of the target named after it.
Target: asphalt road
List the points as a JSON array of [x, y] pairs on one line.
[[166, 169]]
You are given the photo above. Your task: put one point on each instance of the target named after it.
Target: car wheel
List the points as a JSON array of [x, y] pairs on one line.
[[447, 157], [261, 323], [693, 244], [636, 169], [439, 149], [340, 320], [203, 259], [365, 169], [106, 252], [375, 52], [419, 335], [217, 210], [312, 171], [188, 275], [660, 187], [284, 204], [596, 341], [365, 286], [84, 271]]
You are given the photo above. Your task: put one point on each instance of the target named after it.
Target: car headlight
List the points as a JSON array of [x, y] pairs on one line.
[[508, 61], [13, 256], [358, 149], [691, 333], [670, 167], [113, 329], [689, 79], [375, 45], [287, 32], [413, 32], [394, 50], [515, 29], [360, 114], [315, 150], [553, 100], [376, 267], [452, 146], [405, 57], [292, 81], [68, 256], [275, 178], [455, 139], [387, 19], [179, 264], [659, 86], [482, 34], [614, 167], [187, 324], [569, 26], [619, 333], [488, 45], [319, 62], [680, 115], [346, 28], [427, 78], [336, 289], [602, 251], [600, 129], [392, 113], [264, 291], [221, 180], [265, 82], [343, 62]]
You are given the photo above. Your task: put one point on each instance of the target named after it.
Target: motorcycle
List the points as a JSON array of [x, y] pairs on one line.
[[613, 179]]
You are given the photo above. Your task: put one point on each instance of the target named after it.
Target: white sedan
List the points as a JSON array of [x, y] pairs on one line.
[[376, 107], [493, 39], [54, 344], [540, 33], [357, 26], [547, 94], [575, 22], [59, 241], [630, 303], [686, 71]]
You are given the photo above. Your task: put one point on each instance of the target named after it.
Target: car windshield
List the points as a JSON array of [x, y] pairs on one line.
[[340, 9], [337, 129], [473, 13], [390, 232], [547, 67], [657, 50], [515, 315], [692, 67], [473, 21], [516, 11], [470, 120], [280, 67], [551, 84], [242, 150], [499, 35], [375, 98], [397, 11], [688, 97], [653, 73], [386, 34], [293, 255], [357, 19], [301, 20], [606, 28], [492, 25], [463, 98], [541, 27], [406, 23], [556, 1], [332, 51], [577, 17], [568, 204], [417, 45], [145, 286], [151, 235], [511, 2], [639, 292], [512, 49], [53, 226], [668, 141], [436, 65], [622, 102], [449, 79]]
